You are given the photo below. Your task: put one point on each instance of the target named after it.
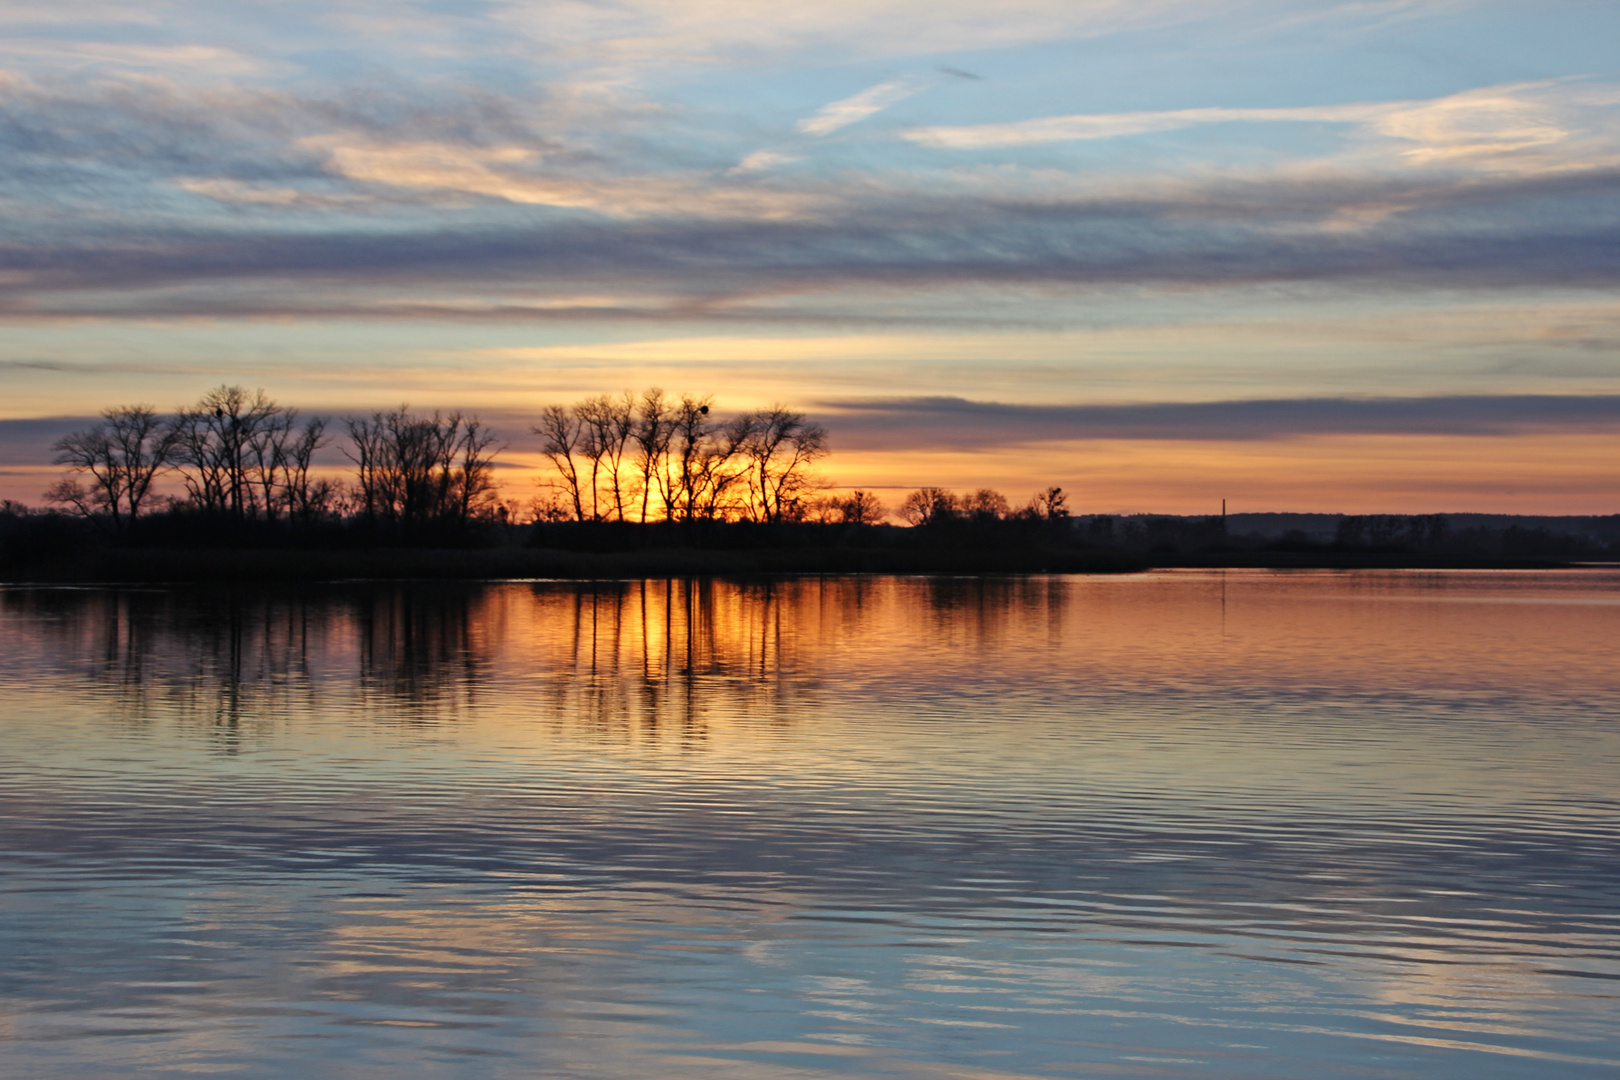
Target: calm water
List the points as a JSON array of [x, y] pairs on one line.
[[1176, 825]]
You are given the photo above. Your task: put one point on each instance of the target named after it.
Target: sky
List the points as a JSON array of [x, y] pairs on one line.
[[1311, 256]]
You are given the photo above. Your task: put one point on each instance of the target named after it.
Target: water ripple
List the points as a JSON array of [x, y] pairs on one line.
[[1180, 825]]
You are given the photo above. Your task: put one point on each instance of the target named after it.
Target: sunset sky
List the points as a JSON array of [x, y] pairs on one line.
[[1300, 255]]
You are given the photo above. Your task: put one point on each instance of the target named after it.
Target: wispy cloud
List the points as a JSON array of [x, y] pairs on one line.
[[1512, 127], [445, 197], [204, 61], [760, 160], [29, 441], [528, 172], [1116, 125], [956, 423], [860, 255], [241, 193], [857, 107], [642, 32], [1523, 127], [515, 174]]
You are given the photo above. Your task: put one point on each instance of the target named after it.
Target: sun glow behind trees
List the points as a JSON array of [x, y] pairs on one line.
[[240, 456], [1158, 253], [652, 457]]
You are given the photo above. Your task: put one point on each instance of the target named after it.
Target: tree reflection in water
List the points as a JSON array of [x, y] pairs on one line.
[[655, 660]]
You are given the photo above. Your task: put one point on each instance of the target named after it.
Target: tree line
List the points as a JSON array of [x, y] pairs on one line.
[[241, 456], [656, 457], [938, 507]]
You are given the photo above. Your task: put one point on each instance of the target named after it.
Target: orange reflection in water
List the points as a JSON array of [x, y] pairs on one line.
[[661, 644], [1233, 809]]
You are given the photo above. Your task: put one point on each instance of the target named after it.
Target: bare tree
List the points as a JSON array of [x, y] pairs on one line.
[[822, 509], [780, 447], [560, 437], [220, 441], [266, 460], [722, 471], [1051, 504], [415, 471], [861, 508], [375, 496], [985, 505], [472, 469], [121, 455], [549, 503], [686, 462], [607, 421], [653, 431], [307, 500], [421, 450], [928, 506], [678, 461]]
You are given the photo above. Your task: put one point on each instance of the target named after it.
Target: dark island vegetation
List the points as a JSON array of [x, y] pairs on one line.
[[1357, 540], [231, 488]]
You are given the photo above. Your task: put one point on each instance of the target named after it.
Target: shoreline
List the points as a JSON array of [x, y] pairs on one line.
[[292, 565]]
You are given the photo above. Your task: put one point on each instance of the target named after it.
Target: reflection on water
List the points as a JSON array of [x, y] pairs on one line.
[[1191, 824]]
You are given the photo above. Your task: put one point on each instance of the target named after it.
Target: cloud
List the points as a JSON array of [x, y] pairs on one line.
[[761, 160], [853, 109], [188, 61], [1520, 126], [942, 423], [850, 259], [122, 132], [638, 33], [138, 196], [29, 442], [240, 193], [1116, 125], [1525, 127], [449, 167], [513, 174], [108, 142]]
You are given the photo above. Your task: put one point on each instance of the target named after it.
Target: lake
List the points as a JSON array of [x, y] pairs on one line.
[[1182, 824]]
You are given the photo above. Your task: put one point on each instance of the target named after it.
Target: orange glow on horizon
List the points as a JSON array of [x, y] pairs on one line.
[[1524, 474], [1520, 474]]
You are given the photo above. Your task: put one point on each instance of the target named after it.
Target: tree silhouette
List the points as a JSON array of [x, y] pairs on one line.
[[985, 505], [650, 456], [560, 436], [928, 506], [780, 446], [221, 442], [121, 455], [607, 422], [419, 471], [652, 433], [243, 456], [1050, 504], [861, 508]]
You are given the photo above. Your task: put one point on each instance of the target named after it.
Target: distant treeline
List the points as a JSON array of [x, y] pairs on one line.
[[243, 459], [653, 457], [635, 473], [1424, 537], [230, 489]]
